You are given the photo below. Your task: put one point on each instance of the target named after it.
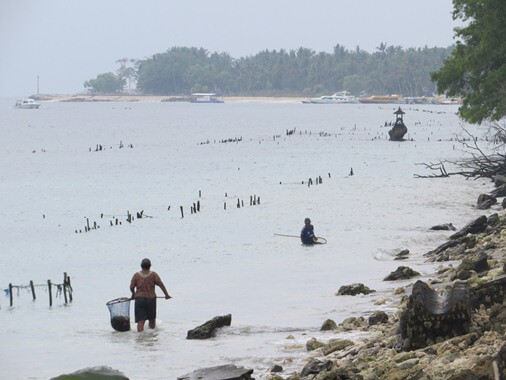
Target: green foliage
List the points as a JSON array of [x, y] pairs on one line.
[[106, 83], [477, 68], [390, 70]]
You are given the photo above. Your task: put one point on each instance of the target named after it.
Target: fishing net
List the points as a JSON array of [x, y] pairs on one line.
[[120, 313]]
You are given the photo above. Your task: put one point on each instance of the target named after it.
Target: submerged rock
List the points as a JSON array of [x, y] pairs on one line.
[[378, 317], [401, 273], [443, 227], [485, 201], [475, 227], [329, 324], [96, 373], [353, 289], [208, 329]]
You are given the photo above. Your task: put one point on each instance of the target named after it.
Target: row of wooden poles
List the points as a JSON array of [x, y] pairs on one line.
[[129, 219], [66, 288]]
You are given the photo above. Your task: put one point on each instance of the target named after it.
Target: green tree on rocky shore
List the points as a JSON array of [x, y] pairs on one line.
[[476, 70], [106, 83]]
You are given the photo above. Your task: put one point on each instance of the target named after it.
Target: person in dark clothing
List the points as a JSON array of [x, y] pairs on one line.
[[307, 234]]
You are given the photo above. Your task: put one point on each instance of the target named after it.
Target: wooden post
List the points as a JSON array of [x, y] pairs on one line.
[[69, 288], [116, 221], [224, 205], [33, 290], [242, 203], [101, 215], [50, 292], [65, 286], [238, 203], [200, 193], [182, 214], [88, 223], [254, 200], [198, 206], [258, 200], [251, 200], [194, 208], [10, 293], [168, 209]]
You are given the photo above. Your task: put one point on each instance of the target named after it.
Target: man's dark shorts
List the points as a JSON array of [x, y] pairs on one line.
[[145, 309]]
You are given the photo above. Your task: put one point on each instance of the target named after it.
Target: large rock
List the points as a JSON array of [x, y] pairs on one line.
[[208, 329], [378, 317], [485, 201], [314, 367], [328, 325], [499, 191], [353, 289], [221, 372], [336, 345], [95, 373], [430, 318], [398, 131], [489, 293], [475, 227], [443, 227], [401, 273]]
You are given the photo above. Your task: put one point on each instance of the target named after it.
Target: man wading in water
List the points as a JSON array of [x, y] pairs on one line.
[[142, 287], [307, 233]]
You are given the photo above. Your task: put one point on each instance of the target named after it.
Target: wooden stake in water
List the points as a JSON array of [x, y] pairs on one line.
[[65, 286], [50, 292], [69, 288], [33, 290], [182, 214], [10, 293]]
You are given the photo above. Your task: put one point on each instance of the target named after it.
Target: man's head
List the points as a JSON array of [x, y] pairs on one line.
[[307, 221], [145, 264]]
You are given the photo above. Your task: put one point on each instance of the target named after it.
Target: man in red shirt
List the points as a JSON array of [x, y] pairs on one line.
[[142, 287]]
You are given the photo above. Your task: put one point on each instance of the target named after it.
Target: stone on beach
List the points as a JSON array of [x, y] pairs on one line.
[[378, 317], [401, 273], [485, 201], [443, 227], [329, 324], [208, 329], [222, 372], [100, 372], [353, 289], [475, 227]]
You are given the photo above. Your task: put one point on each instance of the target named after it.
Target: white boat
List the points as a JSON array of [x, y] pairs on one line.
[[27, 103], [205, 97], [341, 97]]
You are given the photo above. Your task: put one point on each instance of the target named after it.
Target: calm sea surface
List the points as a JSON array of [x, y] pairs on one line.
[[217, 261]]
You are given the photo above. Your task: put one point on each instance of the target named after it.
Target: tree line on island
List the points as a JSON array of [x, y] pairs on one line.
[[300, 72]]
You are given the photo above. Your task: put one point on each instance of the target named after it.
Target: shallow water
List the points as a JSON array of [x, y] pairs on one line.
[[217, 261]]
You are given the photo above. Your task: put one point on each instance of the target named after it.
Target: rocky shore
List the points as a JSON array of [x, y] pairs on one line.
[[452, 327]]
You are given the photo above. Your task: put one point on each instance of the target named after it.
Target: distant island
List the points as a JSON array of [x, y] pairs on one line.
[[303, 72]]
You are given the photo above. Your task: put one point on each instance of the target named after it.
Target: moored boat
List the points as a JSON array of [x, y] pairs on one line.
[[205, 97], [342, 97], [27, 103]]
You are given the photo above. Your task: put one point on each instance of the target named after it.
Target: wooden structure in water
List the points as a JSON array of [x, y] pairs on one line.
[[399, 129]]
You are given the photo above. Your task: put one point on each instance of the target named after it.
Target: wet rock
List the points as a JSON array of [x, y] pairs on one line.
[[329, 324], [452, 249], [208, 329], [489, 293], [499, 191], [101, 372], [336, 345], [485, 201], [475, 227], [443, 227], [402, 255], [313, 344], [401, 273], [477, 264], [222, 372], [503, 203], [398, 131], [430, 318], [276, 368], [353, 289], [315, 366], [378, 317]]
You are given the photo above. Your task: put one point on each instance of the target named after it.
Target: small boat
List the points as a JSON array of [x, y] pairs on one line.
[[381, 99], [205, 97], [27, 103], [342, 97]]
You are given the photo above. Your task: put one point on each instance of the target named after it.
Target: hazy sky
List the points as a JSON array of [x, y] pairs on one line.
[[67, 42]]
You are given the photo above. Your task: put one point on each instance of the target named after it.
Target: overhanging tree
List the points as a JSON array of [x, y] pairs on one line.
[[476, 70]]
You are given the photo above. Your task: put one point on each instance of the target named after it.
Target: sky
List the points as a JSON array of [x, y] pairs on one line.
[[66, 42]]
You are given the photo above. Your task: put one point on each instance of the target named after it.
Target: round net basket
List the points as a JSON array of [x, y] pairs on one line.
[[119, 309]]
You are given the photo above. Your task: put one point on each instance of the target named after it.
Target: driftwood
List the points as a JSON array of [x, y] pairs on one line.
[[430, 318]]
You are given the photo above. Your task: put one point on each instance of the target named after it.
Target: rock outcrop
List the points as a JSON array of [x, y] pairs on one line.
[[401, 273], [208, 329], [353, 290], [222, 372]]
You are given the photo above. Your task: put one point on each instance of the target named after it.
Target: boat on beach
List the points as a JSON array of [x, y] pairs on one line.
[[381, 99], [342, 97], [27, 103]]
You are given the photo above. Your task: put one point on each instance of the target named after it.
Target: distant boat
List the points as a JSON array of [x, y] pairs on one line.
[[27, 103], [341, 97], [205, 97], [450, 101], [381, 99]]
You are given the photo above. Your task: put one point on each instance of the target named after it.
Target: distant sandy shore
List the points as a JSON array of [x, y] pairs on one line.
[[151, 98]]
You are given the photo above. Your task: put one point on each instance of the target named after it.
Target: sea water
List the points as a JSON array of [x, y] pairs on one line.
[[157, 157]]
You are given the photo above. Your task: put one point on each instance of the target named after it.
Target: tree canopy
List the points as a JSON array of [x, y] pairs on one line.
[[476, 70], [106, 83]]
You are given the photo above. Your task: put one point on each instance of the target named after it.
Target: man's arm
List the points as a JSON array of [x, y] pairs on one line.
[[132, 286], [162, 286]]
